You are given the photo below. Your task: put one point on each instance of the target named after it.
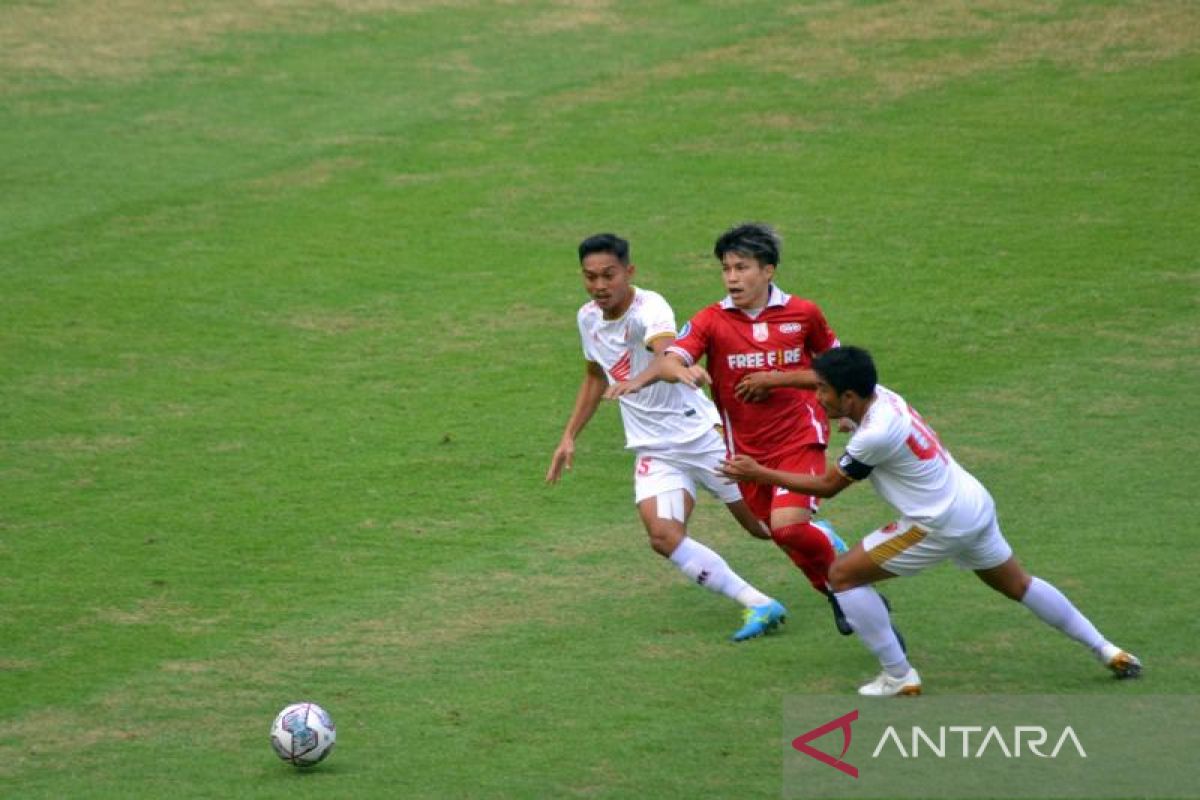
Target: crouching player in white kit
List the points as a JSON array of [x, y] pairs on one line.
[[945, 514], [670, 427]]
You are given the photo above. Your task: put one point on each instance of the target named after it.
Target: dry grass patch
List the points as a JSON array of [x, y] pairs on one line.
[[83, 445], [334, 323], [573, 15], [866, 42], [307, 176], [53, 730], [782, 121], [123, 39], [883, 45], [459, 334], [179, 617]]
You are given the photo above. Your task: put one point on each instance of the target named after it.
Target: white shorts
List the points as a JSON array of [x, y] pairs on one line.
[[658, 471], [906, 548]]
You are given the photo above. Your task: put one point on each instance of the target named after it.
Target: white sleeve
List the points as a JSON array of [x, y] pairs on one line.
[[870, 446], [657, 318]]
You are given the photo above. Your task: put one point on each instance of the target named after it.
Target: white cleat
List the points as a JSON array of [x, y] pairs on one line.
[[885, 685], [1123, 664]]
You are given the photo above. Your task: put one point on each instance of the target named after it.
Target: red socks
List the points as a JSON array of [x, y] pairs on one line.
[[809, 549]]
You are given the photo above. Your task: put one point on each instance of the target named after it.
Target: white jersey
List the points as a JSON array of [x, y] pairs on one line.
[[663, 414], [911, 470]]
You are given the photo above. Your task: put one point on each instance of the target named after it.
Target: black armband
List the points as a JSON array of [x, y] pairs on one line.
[[852, 468]]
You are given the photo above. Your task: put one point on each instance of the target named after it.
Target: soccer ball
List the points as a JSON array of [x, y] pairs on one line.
[[303, 734]]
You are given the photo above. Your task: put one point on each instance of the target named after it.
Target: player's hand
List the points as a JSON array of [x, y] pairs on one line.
[[845, 425], [622, 388], [564, 457], [754, 387], [695, 376], [741, 468]]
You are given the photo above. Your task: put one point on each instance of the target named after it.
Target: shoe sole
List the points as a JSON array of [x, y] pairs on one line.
[[771, 626], [905, 691], [1125, 668]]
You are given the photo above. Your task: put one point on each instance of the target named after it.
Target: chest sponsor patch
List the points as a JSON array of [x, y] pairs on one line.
[[791, 327], [765, 359]]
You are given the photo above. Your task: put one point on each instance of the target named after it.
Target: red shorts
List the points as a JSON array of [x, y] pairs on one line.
[[762, 499]]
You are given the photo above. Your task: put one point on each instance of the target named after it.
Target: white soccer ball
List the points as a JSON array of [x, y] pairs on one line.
[[303, 734]]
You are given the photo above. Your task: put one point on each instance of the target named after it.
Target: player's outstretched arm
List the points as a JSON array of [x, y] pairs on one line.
[[665, 367], [674, 370], [756, 386], [591, 390], [745, 468]]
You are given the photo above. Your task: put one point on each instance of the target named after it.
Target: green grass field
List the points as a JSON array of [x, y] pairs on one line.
[[287, 294]]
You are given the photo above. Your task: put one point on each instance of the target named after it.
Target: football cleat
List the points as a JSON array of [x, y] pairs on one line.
[[885, 685], [838, 544], [839, 618], [1123, 665], [758, 620]]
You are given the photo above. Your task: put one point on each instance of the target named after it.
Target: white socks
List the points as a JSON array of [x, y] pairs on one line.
[[708, 569], [866, 613], [1053, 608]]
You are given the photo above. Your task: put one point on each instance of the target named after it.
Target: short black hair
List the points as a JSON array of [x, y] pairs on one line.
[[847, 368], [754, 239], [605, 243]]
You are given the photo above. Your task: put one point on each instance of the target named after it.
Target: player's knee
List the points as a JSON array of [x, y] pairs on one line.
[[840, 578], [1016, 588], [1009, 579], [664, 540]]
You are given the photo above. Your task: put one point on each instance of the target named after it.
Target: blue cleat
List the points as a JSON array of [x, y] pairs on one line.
[[760, 620], [839, 546]]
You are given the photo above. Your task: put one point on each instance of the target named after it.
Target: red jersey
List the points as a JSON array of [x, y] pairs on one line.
[[786, 335]]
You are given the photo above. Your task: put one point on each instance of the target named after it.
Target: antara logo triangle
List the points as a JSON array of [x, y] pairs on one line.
[[843, 722]]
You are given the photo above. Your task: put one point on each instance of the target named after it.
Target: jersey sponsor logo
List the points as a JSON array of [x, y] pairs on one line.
[[791, 327], [620, 370], [764, 359], [685, 330], [762, 332]]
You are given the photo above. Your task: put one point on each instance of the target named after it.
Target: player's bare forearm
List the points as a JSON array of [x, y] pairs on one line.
[[650, 375], [795, 379], [635, 384], [587, 400], [671, 368], [744, 468], [756, 387]]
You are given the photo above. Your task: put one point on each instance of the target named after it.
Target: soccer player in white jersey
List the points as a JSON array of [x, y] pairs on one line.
[[946, 513], [671, 428]]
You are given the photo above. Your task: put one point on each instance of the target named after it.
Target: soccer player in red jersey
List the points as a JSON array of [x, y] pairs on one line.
[[759, 343]]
